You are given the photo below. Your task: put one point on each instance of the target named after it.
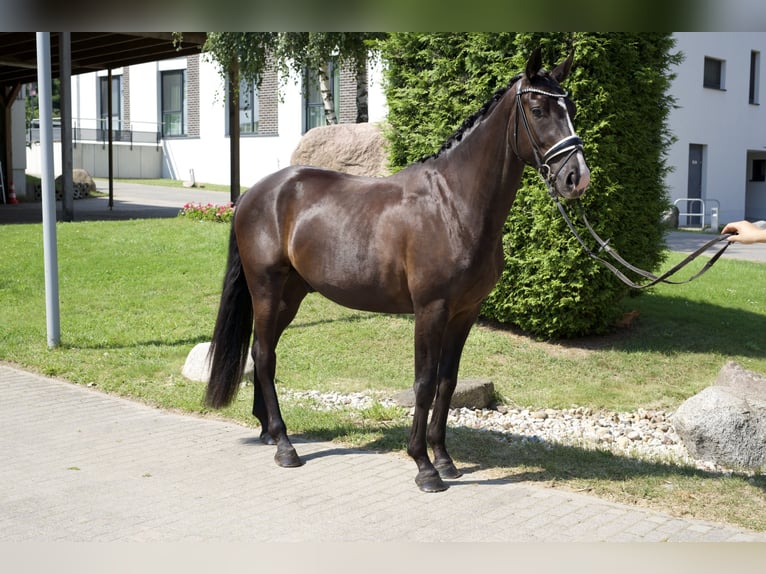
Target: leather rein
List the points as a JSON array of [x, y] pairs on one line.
[[571, 145]]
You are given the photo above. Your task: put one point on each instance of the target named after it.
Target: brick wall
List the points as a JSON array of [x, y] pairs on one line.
[[192, 95], [268, 101], [347, 107], [126, 98]]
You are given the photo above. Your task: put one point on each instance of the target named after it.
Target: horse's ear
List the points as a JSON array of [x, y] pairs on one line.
[[561, 71], [534, 63]]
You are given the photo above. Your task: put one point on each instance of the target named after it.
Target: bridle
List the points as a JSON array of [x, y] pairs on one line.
[[570, 145]]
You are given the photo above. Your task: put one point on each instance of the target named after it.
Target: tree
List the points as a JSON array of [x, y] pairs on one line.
[[252, 52], [619, 83]]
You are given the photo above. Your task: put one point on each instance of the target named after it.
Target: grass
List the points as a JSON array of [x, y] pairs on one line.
[[136, 296]]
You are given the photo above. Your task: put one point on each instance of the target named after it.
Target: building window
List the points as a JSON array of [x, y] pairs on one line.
[[314, 114], [173, 103], [714, 73], [103, 104], [755, 76], [759, 170], [249, 108]]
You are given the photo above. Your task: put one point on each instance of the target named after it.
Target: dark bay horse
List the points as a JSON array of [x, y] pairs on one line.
[[426, 240]]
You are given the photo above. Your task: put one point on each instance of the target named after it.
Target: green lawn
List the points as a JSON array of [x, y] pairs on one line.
[[136, 296]]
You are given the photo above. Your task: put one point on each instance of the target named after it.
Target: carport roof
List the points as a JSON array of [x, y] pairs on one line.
[[91, 51]]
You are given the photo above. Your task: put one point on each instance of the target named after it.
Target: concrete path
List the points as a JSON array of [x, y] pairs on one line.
[[688, 242], [79, 465], [130, 201]]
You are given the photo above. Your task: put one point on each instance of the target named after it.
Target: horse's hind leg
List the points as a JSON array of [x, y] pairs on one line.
[[294, 292], [267, 289], [452, 349]]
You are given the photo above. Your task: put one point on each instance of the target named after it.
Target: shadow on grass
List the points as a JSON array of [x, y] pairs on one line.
[[672, 325], [355, 317], [526, 460], [187, 342]]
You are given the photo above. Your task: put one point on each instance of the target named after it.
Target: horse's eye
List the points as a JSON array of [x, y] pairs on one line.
[[537, 112]]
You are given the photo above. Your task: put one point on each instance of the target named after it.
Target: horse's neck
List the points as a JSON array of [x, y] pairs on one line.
[[483, 172]]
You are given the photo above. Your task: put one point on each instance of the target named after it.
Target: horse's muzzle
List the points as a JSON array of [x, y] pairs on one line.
[[573, 178]]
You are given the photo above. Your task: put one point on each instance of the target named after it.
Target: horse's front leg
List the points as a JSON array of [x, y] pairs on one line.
[[449, 363], [429, 328]]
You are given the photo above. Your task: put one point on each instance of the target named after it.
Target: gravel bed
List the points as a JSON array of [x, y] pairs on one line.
[[645, 434]]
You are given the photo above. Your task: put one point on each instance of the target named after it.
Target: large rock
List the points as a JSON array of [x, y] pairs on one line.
[[470, 393], [358, 149], [726, 422], [197, 366], [82, 183]]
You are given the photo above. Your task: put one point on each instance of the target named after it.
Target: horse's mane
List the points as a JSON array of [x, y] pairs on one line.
[[473, 119]]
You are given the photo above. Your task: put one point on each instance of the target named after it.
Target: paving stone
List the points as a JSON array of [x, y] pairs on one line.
[[151, 475]]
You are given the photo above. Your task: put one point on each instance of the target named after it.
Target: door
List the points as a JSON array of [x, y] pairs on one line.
[[694, 186]]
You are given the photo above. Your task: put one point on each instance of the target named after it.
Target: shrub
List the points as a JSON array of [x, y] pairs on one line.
[[208, 212], [549, 287]]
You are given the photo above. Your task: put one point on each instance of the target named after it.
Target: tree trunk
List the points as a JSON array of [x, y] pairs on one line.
[[325, 88], [362, 107]]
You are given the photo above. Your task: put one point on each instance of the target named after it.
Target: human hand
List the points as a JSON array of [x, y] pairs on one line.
[[745, 232]]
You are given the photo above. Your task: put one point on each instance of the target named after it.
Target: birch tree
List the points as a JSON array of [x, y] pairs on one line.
[[298, 51]]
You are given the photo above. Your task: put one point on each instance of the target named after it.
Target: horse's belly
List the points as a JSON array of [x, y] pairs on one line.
[[368, 302], [364, 285], [365, 295]]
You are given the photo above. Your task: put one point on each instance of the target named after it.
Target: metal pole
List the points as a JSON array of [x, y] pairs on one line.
[[67, 187], [109, 131], [50, 255]]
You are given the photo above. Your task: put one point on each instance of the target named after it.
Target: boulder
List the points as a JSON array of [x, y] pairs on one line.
[[197, 366], [82, 184], [470, 393], [358, 149], [726, 422], [669, 218]]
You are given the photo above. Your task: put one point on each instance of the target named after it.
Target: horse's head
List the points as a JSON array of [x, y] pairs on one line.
[[543, 134]]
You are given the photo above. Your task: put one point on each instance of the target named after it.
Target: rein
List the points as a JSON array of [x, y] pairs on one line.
[[610, 251], [571, 145]]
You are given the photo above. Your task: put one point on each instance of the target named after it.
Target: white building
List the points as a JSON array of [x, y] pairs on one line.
[[170, 120], [719, 157], [175, 111]]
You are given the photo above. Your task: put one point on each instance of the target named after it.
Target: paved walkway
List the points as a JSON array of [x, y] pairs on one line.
[[130, 201], [688, 242], [80, 465]]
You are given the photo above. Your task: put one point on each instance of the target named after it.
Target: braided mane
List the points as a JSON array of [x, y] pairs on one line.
[[472, 120]]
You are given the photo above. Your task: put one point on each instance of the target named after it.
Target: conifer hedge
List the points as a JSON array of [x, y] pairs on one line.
[[619, 83]]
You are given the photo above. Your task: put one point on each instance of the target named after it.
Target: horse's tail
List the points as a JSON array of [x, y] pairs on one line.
[[231, 336]]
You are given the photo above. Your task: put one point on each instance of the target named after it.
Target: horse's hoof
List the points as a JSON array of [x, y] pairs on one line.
[[430, 482], [266, 439], [447, 470], [288, 458]]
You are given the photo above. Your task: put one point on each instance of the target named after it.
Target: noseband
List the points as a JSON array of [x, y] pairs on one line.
[[569, 145]]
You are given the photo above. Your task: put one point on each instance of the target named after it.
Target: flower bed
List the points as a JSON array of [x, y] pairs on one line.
[[208, 212]]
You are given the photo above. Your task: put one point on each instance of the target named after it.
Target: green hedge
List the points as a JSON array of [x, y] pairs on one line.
[[619, 83]]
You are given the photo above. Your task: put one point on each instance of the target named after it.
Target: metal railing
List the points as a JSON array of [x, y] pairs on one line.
[[100, 133], [696, 218]]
